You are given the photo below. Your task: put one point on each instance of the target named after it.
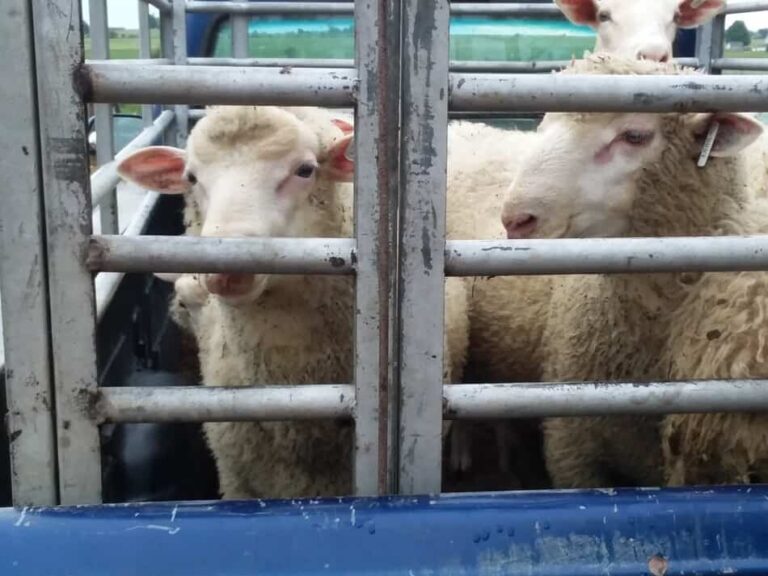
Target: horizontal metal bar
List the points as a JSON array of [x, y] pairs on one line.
[[606, 255], [210, 255], [162, 5], [281, 8], [218, 85], [482, 66], [528, 66], [347, 8], [197, 113], [505, 9], [469, 92], [275, 62], [106, 177], [542, 399], [461, 401], [608, 93], [107, 283], [129, 61], [742, 7], [463, 257], [751, 64], [209, 404]]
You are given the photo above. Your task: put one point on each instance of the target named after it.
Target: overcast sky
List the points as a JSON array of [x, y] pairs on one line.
[[124, 14]]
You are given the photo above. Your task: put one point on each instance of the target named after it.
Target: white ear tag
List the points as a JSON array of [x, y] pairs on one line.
[[709, 142], [349, 153]]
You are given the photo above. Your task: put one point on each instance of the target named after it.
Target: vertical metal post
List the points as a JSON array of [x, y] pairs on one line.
[[376, 181], [239, 36], [710, 43], [166, 50], [58, 44], [145, 51], [422, 241], [22, 270], [180, 59], [105, 147]]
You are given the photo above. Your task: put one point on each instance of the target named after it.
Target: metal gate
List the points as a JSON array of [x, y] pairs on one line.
[[402, 87]]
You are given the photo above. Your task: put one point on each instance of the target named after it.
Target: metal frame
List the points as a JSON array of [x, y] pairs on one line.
[[399, 254], [64, 162], [23, 270], [423, 148], [105, 148]]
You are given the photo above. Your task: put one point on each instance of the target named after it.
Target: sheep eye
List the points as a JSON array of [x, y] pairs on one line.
[[191, 178], [604, 16], [637, 137], [305, 171]]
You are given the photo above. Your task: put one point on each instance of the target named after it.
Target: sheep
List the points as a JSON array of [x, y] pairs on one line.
[[482, 161], [639, 29], [266, 171], [607, 175]]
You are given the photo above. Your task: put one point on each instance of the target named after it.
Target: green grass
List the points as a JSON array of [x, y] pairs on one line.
[[519, 47], [340, 44], [334, 44], [124, 49], [127, 48], [745, 54]]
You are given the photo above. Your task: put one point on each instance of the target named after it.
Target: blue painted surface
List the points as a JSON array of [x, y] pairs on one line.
[[717, 531]]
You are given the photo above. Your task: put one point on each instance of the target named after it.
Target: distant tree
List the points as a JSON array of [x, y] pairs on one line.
[[114, 33], [154, 22], [762, 33], [86, 28], [738, 32]]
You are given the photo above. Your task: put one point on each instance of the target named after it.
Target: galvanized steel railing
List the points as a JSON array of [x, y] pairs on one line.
[[397, 398]]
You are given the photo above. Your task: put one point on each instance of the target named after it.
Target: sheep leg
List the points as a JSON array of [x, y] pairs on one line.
[[505, 441], [460, 440]]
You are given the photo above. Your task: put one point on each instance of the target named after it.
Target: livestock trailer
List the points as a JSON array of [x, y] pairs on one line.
[[107, 471]]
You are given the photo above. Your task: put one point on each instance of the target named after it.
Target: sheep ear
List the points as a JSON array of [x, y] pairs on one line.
[[343, 125], [734, 133], [339, 164], [579, 11], [158, 168], [694, 13]]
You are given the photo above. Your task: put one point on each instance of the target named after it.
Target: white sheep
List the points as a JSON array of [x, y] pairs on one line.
[[639, 29], [268, 171], [605, 175], [505, 312]]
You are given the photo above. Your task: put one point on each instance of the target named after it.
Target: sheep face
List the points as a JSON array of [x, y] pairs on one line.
[[581, 178], [250, 172], [639, 29]]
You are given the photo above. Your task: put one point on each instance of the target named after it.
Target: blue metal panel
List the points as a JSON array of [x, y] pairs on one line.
[[685, 44], [717, 531]]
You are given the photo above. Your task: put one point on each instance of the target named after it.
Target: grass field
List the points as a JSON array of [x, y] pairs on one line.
[[740, 54], [340, 44], [126, 48]]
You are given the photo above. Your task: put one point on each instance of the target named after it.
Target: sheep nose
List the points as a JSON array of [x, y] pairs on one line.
[[520, 225], [229, 284], [657, 53]]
